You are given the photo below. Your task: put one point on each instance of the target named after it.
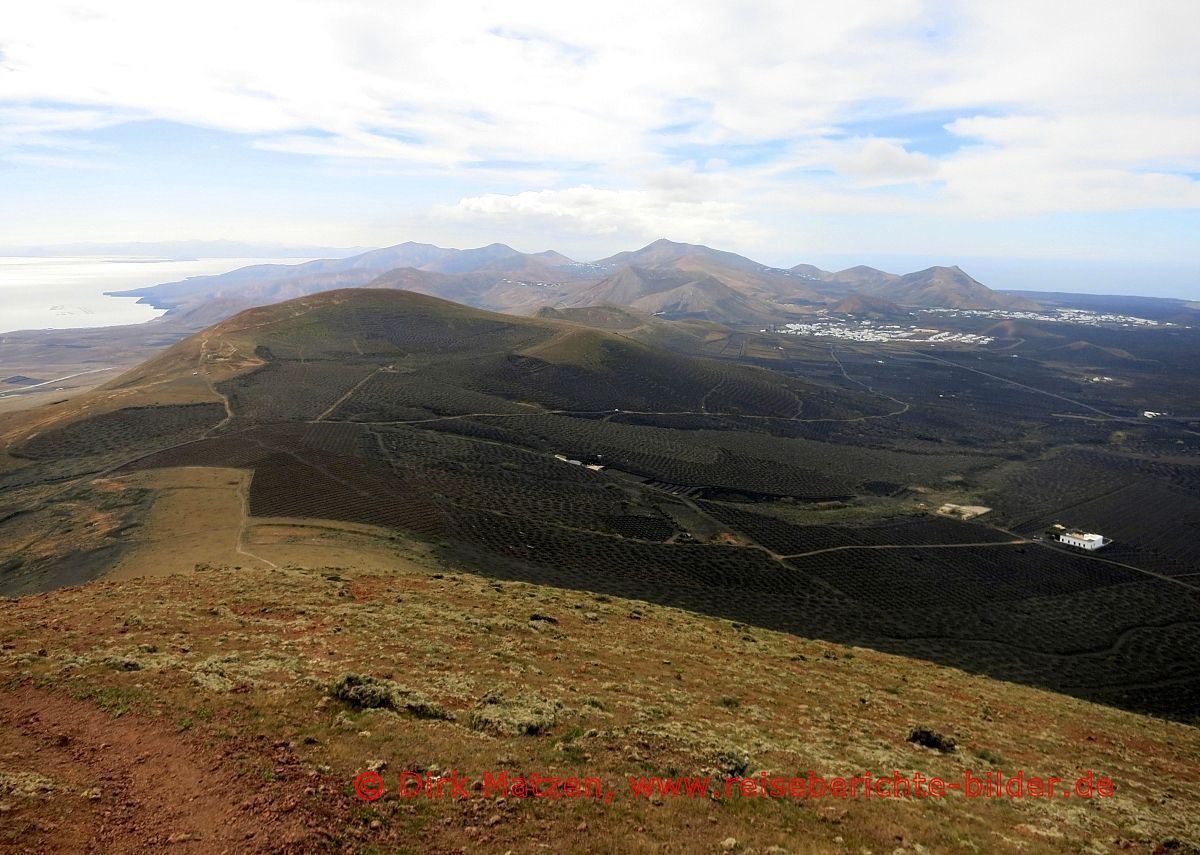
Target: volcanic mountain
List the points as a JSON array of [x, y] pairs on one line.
[[676, 279], [948, 287], [747, 277], [674, 292], [466, 275], [865, 304]]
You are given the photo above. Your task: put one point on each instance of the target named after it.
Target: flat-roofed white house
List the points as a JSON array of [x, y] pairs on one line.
[[1083, 539]]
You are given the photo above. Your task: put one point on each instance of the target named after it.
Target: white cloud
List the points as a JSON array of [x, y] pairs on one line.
[[706, 119], [592, 211], [40, 136], [880, 162], [531, 81], [1099, 162], [1133, 138]]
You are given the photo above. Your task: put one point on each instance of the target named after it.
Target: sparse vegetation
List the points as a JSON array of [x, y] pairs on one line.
[[591, 694], [365, 692]]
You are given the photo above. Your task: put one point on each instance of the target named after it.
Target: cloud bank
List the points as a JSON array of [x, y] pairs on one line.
[[637, 119]]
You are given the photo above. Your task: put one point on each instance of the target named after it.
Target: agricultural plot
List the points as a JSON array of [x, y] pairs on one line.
[[913, 580], [241, 449], [285, 391], [1162, 535], [630, 377], [1028, 613], [1089, 620], [641, 527], [124, 430], [662, 454], [581, 556], [786, 538], [417, 448], [411, 395], [1181, 473], [341, 488], [340, 438], [565, 503], [1030, 491], [561, 386], [739, 392], [855, 464]]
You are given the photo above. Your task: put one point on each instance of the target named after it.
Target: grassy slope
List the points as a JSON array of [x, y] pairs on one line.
[[246, 657]]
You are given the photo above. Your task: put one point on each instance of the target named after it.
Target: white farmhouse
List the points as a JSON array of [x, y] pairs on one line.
[[1083, 540]]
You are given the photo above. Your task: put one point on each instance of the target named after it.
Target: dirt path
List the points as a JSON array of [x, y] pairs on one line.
[[201, 366], [243, 521], [1017, 541], [613, 412], [1079, 404], [25, 389], [129, 784], [904, 407], [333, 407]]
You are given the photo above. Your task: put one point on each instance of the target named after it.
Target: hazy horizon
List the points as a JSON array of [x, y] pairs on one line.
[[1129, 278], [69, 292]]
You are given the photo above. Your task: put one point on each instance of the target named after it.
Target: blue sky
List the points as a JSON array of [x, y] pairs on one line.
[[1048, 138]]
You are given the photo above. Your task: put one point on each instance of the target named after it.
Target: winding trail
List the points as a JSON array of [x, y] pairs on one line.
[[904, 406], [202, 367]]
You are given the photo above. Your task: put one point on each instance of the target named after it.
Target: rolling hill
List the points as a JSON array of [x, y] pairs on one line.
[[664, 253], [860, 278]]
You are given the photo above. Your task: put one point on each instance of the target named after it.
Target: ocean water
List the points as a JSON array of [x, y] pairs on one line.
[[68, 293]]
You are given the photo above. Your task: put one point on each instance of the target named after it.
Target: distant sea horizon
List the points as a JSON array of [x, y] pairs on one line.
[[39, 293]]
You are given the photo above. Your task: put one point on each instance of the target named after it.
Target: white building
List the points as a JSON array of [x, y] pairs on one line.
[[1084, 540]]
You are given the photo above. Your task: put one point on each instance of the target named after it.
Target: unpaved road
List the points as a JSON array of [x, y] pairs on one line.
[[132, 784]]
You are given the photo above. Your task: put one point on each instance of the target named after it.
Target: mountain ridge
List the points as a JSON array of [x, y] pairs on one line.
[[500, 278]]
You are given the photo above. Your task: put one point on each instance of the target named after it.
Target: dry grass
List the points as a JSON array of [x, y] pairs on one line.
[[605, 687]]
